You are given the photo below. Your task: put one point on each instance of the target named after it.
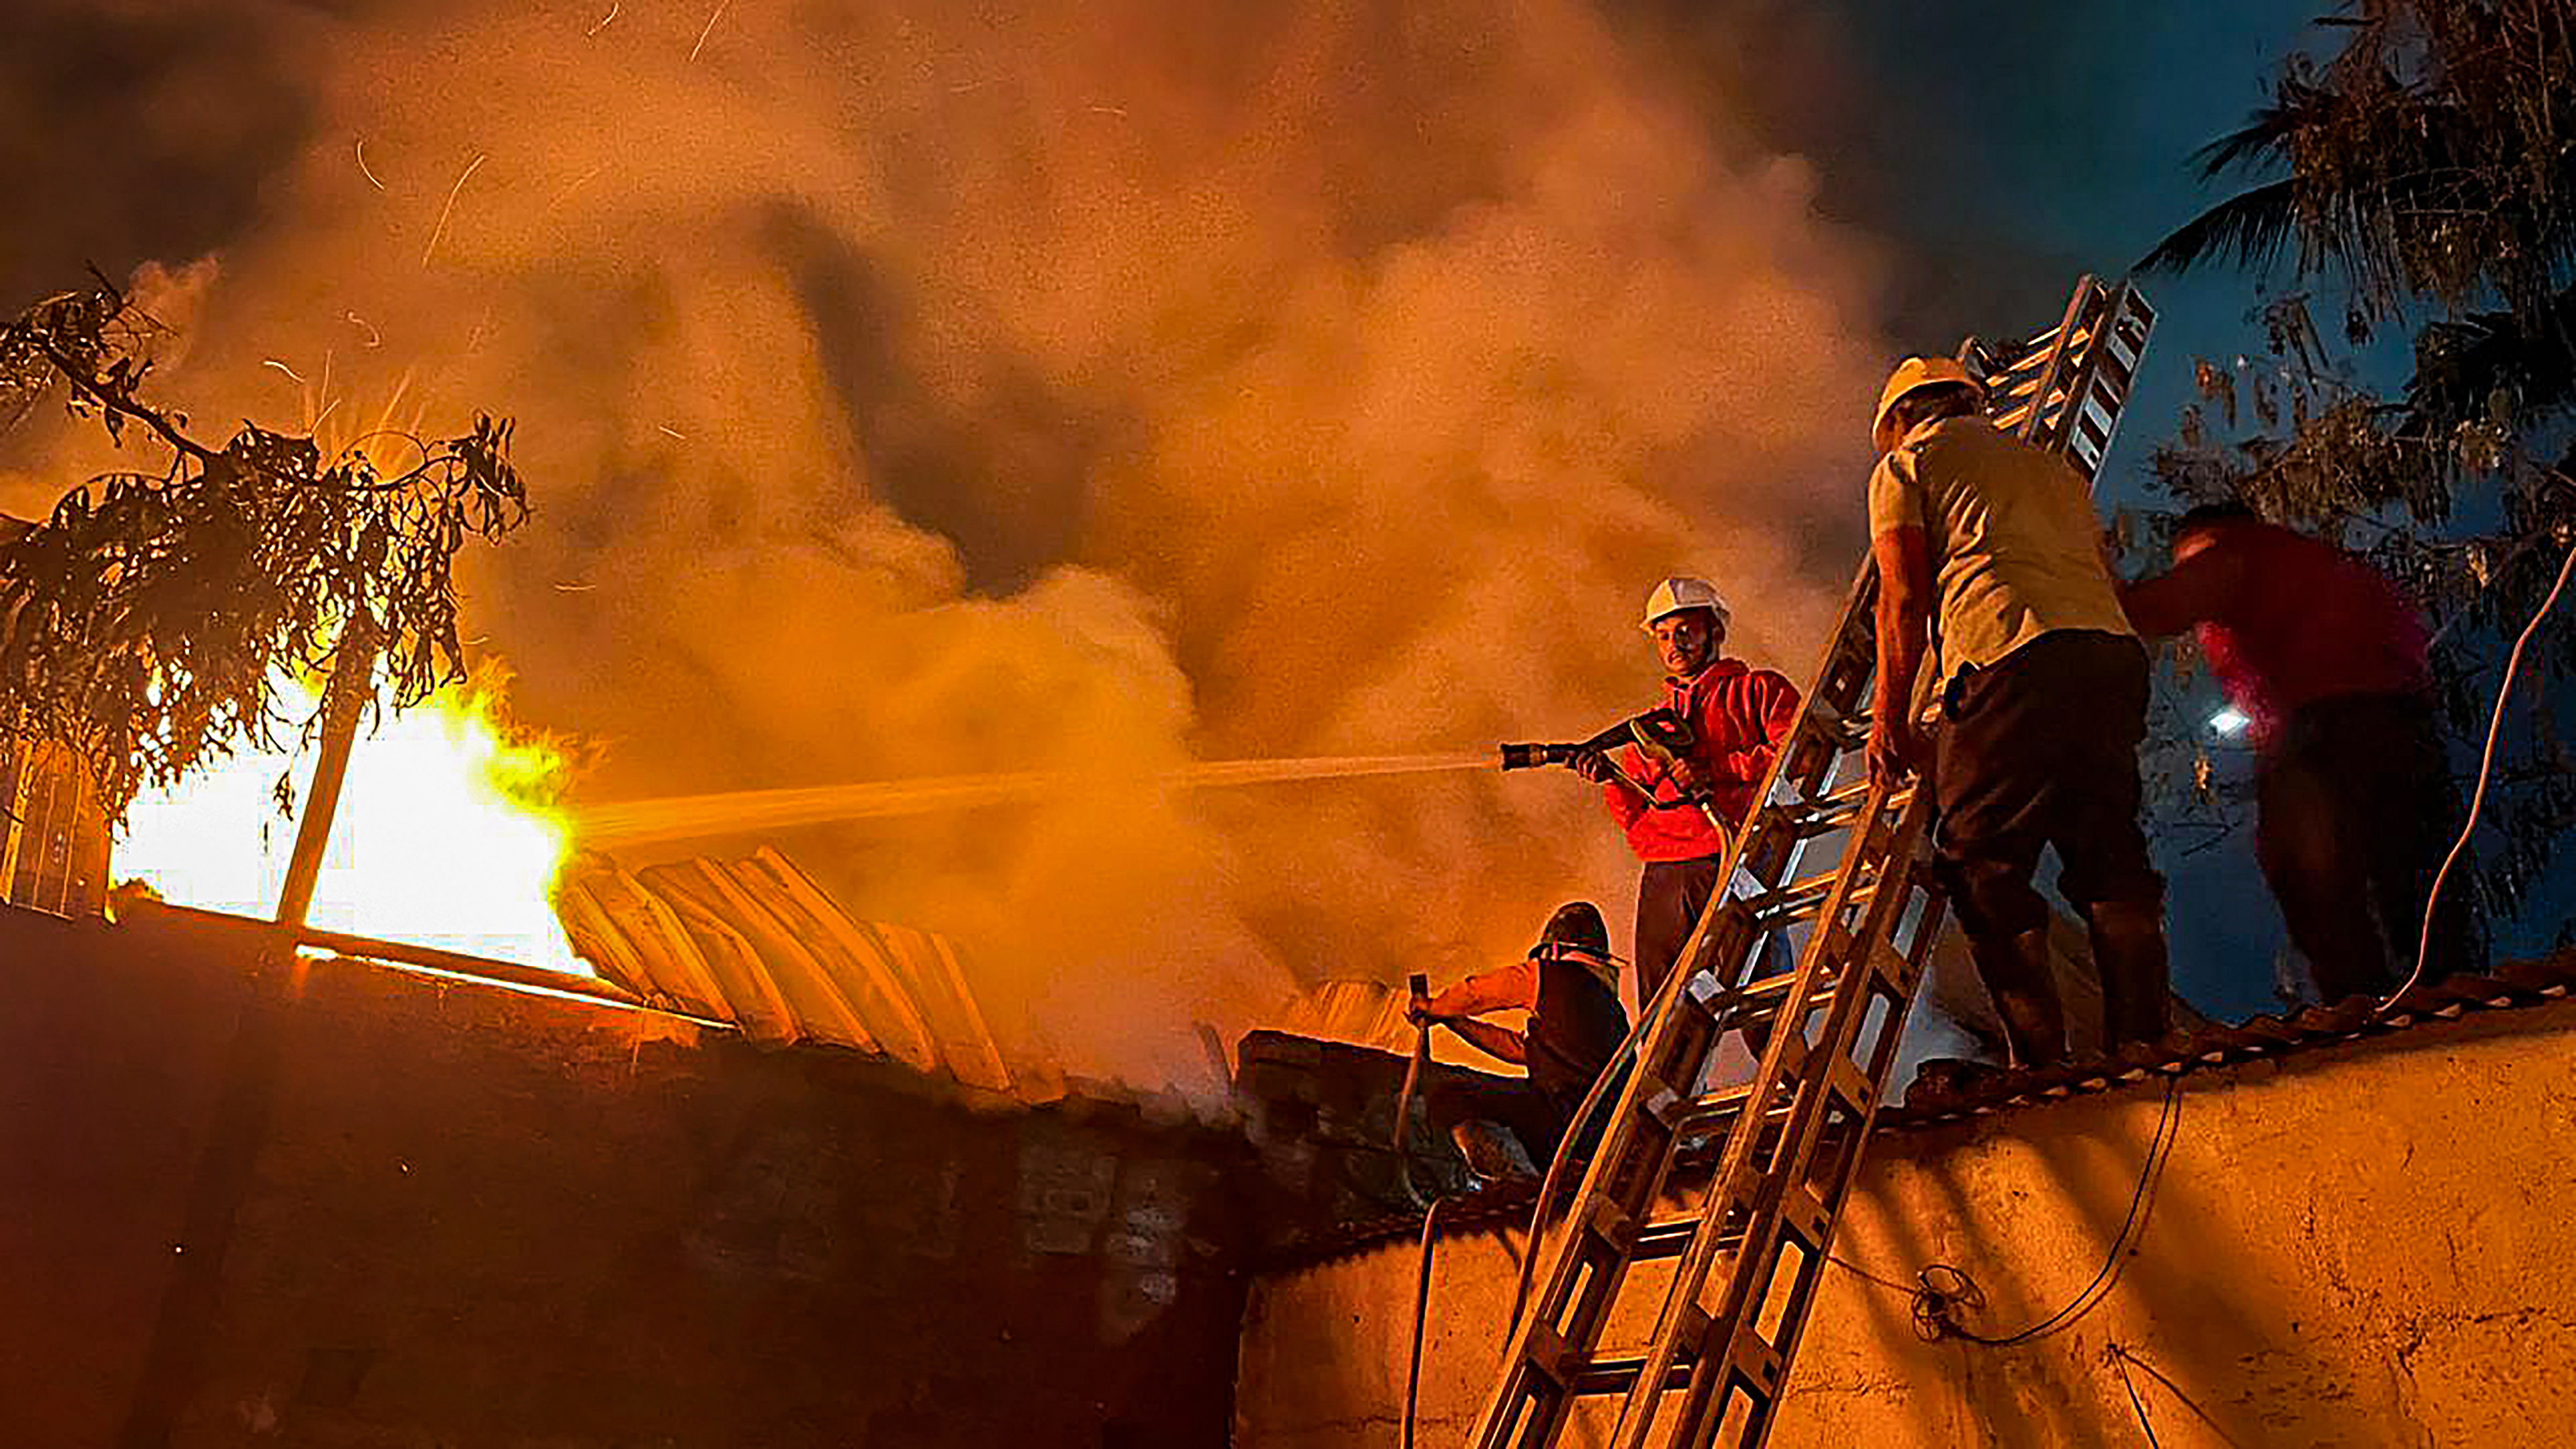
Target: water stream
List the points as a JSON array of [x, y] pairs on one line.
[[689, 817]]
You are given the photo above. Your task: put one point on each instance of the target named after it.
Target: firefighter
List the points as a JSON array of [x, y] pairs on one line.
[[1739, 715], [1989, 545], [1569, 985], [2326, 661]]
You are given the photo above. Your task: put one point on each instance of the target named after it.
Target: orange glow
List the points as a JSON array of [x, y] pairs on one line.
[[448, 834]]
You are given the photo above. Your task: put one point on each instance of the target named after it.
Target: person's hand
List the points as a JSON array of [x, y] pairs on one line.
[[1594, 766], [1895, 747], [1687, 776]]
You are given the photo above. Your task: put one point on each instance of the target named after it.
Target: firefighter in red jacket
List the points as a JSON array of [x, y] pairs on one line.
[[1740, 715]]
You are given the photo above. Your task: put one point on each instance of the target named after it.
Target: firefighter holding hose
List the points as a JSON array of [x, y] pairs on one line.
[[1677, 810]]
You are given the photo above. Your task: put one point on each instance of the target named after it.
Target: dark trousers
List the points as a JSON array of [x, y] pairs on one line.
[[2041, 752], [1671, 895], [2358, 810], [1538, 1119]]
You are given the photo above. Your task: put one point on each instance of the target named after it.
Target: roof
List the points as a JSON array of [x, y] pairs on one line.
[[2514, 986], [2518, 984], [758, 943]]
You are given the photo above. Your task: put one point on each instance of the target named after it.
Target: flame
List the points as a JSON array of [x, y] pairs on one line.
[[449, 833]]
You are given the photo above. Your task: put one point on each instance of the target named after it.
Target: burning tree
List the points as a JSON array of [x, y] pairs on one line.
[[151, 624], [2422, 181]]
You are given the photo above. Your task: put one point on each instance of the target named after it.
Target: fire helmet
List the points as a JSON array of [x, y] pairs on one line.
[[1577, 925], [1911, 376], [1674, 595]]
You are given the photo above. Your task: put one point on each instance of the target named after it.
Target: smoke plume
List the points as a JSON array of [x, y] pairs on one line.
[[923, 389]]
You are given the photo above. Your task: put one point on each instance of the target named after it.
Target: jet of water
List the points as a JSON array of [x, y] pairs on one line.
[[688, 817]]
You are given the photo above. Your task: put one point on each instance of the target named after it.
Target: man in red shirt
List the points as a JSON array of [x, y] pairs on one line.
[[1740, 715], [2326, 660]]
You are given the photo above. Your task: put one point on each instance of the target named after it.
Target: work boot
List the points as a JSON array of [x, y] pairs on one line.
[[2129, 957], [1492, 1152], [2017, 977], [1945, 1083]]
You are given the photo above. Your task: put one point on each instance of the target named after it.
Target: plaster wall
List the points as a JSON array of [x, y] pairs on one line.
[[2363, 1244]]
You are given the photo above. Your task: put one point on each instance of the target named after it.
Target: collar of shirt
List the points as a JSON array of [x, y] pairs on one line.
[[1722, 669]]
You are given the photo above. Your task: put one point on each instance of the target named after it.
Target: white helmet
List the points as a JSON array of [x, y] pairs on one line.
[[1676, 594]]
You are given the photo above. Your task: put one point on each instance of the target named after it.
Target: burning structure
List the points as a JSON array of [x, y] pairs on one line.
[[1167, 469]]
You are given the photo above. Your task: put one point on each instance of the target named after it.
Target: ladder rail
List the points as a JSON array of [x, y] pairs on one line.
[[1580, 1286], [1797, 1131]]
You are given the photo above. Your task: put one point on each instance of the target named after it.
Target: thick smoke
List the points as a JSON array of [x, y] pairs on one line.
[[920, 389]]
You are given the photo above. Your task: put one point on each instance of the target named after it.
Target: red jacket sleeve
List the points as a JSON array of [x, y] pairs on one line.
[[1771, 705]]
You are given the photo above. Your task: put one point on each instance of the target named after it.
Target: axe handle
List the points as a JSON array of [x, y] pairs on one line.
[[1419, 986]]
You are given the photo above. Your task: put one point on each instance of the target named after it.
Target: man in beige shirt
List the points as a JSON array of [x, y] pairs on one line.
[[2043, 697]]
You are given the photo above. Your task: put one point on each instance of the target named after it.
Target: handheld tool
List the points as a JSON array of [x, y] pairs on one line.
[[1661, 734], [1420, 987]]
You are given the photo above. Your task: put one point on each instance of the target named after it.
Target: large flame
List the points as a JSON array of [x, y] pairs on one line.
[[448, 834]]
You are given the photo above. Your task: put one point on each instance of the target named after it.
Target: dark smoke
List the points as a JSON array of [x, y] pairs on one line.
[[925, 389]]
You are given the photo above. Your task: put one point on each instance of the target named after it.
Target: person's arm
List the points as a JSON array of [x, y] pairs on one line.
[[1492, 1040], [1622, 798], [2193, 592], [1904, 558], [1774, 702], [1505, 988]]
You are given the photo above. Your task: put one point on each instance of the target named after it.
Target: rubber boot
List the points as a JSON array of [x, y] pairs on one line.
[[2129, 955], [2017, 976]]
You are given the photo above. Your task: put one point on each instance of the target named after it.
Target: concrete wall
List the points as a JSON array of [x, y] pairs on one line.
[[2357, 1245], [478, 1218]]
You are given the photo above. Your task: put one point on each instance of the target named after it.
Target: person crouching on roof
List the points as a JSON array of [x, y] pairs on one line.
[[1569, 985]]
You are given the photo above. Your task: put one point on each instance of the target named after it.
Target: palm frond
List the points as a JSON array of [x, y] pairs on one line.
[[2250, 229]]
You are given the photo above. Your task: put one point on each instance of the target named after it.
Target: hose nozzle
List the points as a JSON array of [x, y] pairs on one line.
[[1530, 757]]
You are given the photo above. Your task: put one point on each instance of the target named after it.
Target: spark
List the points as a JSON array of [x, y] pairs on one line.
[[710, 30], [613, 8], [362, 165], [326, 413], [1108, 110], [282, 367], [566, 194], [568, 588], [674, 432], [440, 230], [970, 86], [374, 338]]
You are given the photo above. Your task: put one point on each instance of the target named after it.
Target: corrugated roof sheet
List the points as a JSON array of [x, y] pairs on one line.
[[757, 942], [2522, 983]]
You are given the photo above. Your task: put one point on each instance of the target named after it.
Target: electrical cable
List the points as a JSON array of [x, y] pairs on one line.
[[1941, 1289], [1421, 1317], [2120, 1364], [2486, 773]]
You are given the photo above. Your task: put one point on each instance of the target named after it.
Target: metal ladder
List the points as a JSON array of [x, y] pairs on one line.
[[1827, 1033]]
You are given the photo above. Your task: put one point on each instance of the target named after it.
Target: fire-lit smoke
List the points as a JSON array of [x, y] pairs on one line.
[[920, 390]]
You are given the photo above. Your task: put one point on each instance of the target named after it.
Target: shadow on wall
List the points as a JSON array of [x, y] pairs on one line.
[[2201, 1292]]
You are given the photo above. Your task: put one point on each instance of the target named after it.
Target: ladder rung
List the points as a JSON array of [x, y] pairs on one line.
[[1613, 1373], [1800, 898], [1759, 1363], [1672, 1238]]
